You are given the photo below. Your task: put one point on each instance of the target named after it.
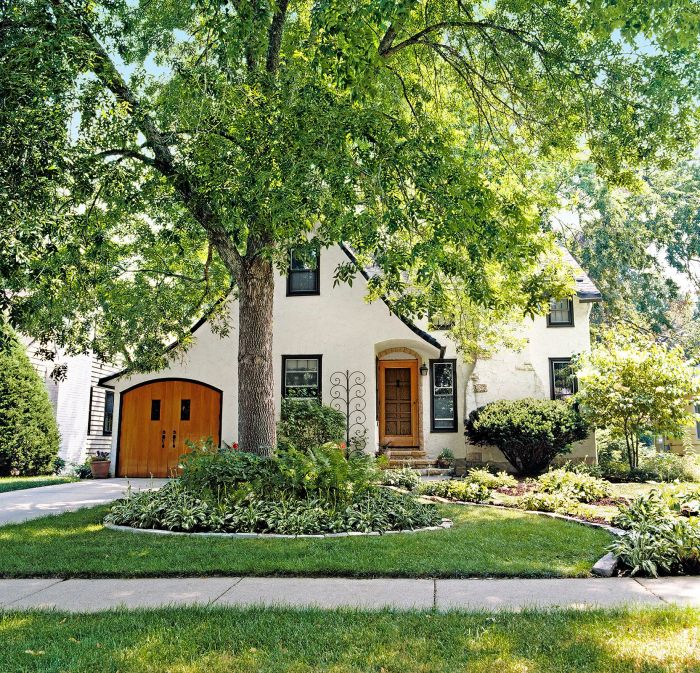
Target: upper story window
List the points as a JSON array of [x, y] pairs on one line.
[[439, 320], [443, 399], [563, 381], [561, 313], [301, 377], [303, 276], [108, 417]]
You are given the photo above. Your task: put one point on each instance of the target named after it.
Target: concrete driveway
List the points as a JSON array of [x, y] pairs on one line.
[[32, 503]]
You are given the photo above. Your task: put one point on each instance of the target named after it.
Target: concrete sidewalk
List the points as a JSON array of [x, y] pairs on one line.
[[81, 595], [32, 503]]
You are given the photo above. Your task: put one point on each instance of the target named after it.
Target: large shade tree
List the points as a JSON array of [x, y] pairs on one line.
[[155, 154]]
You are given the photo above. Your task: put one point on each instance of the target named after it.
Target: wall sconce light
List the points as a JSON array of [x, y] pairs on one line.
[[423, 370]]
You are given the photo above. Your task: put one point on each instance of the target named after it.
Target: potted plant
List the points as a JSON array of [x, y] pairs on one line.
[[99, 465], [446, 458]]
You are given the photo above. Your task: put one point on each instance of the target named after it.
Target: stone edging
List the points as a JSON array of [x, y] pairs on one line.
[[446, 523], [603, 567]]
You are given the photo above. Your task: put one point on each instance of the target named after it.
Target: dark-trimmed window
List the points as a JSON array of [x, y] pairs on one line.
[[697, 423], [301, 377], [561, 313], [443, 395], [562, 379], [108, 417], [303, 277]]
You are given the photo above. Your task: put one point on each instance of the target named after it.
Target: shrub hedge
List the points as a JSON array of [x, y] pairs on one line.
[[29, 437]]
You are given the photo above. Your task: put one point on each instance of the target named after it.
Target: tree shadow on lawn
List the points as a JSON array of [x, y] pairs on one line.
[[214, 640]]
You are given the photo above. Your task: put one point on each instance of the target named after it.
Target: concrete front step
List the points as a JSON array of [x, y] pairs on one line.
[[416, 463]]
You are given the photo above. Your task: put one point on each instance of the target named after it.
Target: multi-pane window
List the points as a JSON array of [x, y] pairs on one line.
[[301, 377], [439, 320], [303, 276], [443, 399], [562, 378], [561, 313], [697, 422], [109, 413]]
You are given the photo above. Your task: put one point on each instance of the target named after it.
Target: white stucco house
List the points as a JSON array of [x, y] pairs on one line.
[[409, 390]]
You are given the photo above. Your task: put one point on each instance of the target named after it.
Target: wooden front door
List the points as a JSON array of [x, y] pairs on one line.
[[155, 420], [398, 403]]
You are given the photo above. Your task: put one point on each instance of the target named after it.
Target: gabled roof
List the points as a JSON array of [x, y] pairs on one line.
[[586, 291], [370, 272]]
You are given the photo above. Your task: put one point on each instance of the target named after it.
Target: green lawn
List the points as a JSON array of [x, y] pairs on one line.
[[483, 542], [221, 640], [21, 483]]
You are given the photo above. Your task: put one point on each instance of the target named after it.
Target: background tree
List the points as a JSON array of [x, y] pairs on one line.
[[28, 432], [633, 387], [639, 243], [184, 148]]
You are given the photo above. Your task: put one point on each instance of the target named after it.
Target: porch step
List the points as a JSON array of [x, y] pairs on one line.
[[415, 463], [398, 454]]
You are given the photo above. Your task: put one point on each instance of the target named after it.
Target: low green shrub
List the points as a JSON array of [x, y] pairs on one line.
[[657, 539], [653, 465], [321, 471], [305, 424], [551, 502], [403, 478], [455, 489], [529, 432], [573, 486], [174, 507], [491, 481]]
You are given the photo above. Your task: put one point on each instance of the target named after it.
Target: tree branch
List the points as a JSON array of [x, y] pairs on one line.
[[387, 48], [274, 37]]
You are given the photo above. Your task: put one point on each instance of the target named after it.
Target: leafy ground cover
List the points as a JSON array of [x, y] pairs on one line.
[[603, 510], [214, 640], [483, 542], [20, 483]]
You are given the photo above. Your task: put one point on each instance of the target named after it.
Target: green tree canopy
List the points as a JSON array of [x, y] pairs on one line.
[[641, 245], [156, 153]]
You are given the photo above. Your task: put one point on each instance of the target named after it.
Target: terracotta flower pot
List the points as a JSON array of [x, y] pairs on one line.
[[99, 469]]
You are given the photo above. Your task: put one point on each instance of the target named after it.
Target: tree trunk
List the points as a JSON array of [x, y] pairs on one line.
[[257, 431]]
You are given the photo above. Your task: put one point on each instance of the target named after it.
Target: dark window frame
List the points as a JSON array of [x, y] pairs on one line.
[[184, 407], [696, 410], [552, 362], [90, 412], [453, 362], [317, 277], [569, 323], [153, 408], [107, 432], [316, 356]]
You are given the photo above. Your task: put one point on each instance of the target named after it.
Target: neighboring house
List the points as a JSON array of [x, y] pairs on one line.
[[83, 409], [691, 439], [408, 389]]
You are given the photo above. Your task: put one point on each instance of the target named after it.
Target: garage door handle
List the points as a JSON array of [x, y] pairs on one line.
[[174, 435], [162, 440]]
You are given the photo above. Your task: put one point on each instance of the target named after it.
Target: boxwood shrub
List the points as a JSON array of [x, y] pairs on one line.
[[529, 432]]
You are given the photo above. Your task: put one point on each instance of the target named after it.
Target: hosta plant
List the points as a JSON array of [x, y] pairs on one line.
[[572, 485], [456, 490], [489, 480], [403, 478]]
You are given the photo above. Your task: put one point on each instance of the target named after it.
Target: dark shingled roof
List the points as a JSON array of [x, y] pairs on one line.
[[586, 291]]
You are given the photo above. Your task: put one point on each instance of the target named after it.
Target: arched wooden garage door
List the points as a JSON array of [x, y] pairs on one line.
[[157, 417]]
